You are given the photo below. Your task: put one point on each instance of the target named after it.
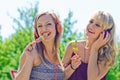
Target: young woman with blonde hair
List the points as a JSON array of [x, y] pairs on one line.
[[92, 58]]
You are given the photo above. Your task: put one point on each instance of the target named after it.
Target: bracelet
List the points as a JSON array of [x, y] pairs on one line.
[[72, 67]]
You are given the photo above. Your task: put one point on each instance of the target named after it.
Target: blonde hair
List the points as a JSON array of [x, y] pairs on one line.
[[40, 46], [107, 52]]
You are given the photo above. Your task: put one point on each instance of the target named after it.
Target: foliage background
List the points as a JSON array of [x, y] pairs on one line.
[[12, 47]]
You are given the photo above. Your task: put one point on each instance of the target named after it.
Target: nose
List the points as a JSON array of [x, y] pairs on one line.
[[44, 27], [92, 25]]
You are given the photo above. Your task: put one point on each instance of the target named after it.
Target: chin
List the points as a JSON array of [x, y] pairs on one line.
[[49, 39]]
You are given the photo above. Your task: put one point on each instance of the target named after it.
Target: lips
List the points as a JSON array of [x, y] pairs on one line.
[[90, 32], [45, 34]]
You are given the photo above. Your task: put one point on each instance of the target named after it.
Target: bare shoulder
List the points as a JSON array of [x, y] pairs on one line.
[[81, 43], [21, 61], [24, 54]]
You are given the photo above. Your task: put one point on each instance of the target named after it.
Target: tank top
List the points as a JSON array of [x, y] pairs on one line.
[[43, 72], [81, 72]]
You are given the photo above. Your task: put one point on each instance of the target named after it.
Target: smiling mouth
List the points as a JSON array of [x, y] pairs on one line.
[[91, 32], [46, 34]]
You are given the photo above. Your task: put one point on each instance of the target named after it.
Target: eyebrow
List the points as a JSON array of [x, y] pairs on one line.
[[92, 19], [45, 22]]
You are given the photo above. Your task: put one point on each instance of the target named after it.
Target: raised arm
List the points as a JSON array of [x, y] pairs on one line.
[[26, 63], [70, 63], [97, 71]]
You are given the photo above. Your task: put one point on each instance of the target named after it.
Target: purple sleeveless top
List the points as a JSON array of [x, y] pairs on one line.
[[81, 73]]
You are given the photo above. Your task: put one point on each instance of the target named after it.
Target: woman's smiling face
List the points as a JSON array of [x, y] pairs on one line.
[[94, 28], [46, 25]]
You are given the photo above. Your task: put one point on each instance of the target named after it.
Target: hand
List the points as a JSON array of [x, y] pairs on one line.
[[75, 61], [101, 41], [30, 46], [30, 51]]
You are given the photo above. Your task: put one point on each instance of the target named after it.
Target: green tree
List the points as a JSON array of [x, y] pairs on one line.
[[114, 72], [14, 45], [11, 48], [68, 35]]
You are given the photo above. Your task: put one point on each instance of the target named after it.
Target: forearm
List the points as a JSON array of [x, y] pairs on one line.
[[92, 65], [68, 72], [25, 71]]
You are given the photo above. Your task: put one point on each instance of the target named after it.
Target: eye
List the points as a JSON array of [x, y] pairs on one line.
[[39, 25], [91, 21], [49, 24], [97, 25]]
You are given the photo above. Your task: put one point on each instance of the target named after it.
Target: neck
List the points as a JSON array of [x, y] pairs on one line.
[[49, 52], [89, 43], [49, 47]]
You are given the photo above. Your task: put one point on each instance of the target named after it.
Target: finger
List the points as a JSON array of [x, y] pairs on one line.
[[75, 57], [30, 48], [78, 59], [27, 52], [75, 53], [34, 42], [107, 37], [101, 36], [27, 48], [33, 45]]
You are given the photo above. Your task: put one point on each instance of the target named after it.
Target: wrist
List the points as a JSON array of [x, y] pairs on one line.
[[95, 48], [72, 67]]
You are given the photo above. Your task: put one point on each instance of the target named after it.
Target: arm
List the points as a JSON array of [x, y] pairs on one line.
[[97, 71], [25, 66], [75, 62]]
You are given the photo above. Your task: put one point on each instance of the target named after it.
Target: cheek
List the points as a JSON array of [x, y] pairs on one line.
[[98, 33], [86, 28], [54, 31], [38, 30]]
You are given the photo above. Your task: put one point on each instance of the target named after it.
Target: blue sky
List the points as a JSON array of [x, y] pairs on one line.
[[82, 10]]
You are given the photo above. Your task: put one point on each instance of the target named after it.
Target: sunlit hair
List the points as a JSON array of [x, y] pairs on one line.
[[40, 46], [107, 52]]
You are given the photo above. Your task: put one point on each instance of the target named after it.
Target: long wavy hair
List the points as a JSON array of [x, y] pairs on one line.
[[40, 46], [107, 52]]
